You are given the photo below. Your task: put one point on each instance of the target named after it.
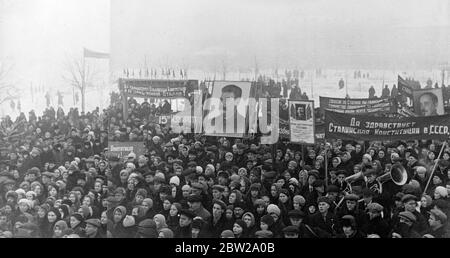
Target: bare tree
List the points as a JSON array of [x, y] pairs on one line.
[[80, 75], [7, 90]]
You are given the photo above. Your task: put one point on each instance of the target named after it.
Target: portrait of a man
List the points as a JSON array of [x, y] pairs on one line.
[[428, 102]]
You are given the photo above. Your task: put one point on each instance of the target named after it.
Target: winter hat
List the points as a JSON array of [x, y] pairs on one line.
[[267, 219], [175, 180], [264, 234], [122, 210], [439, 215], [300, 199], [367, 156], [167, 232], [27, 202], [210, 166], [251, 216], [235, 178], [161, 176], [197, 223], [142, 192], [324, 199], [198, 169], [442, 191], [128, 221], [408, 215], [259, 202], [20, 192], [86, 212], [61, 224], [78, 217], [241, 223], [293, 181], [12, 194], [272, 208], [227, 234], [147, 229], [148, 200]]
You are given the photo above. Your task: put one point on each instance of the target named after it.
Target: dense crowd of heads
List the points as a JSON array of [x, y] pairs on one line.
[[57, 180]]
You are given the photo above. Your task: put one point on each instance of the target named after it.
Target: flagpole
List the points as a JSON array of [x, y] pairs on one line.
[[434, 167]]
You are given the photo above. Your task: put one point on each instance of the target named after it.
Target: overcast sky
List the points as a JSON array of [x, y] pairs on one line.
[[36, 36], [289, 33]]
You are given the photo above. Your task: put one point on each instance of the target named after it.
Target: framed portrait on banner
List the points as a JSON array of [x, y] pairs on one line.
[[301, 121], [429, 102]]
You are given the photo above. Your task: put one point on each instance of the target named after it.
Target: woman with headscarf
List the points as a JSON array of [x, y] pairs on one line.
[[147, 204], [249, 220], [117, 229], [240, 229], [59, 228], [165, 233], [160, 221]]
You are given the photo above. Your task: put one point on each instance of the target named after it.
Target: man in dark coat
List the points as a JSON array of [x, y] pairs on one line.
[[437, 221], [324, 220], [376, 224], [184, 228], [404, 229]]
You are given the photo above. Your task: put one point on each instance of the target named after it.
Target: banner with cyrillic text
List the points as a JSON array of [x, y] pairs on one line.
[[367, 128], [358, 106]]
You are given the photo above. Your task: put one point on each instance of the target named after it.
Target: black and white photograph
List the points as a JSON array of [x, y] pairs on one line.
[[113, 125]]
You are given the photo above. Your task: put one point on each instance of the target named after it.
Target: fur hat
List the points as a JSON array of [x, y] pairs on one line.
[[128, 221], [300, 199], [367, 156], [175, 180], [267, 219], [272, 208], [227, 234], [442, 191]]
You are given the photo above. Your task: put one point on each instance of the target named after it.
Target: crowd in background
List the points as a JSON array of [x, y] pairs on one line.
[[57, 180]]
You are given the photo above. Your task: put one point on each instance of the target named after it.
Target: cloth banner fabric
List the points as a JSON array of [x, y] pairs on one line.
[[404, 88], [157, 88], [122, 149], [358, 106], [367, 128]]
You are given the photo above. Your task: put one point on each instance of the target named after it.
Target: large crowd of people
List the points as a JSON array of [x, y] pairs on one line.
[[58, 180]]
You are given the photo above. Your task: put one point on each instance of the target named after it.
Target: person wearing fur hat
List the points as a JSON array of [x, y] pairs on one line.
[[278, 225], [420, 224]]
